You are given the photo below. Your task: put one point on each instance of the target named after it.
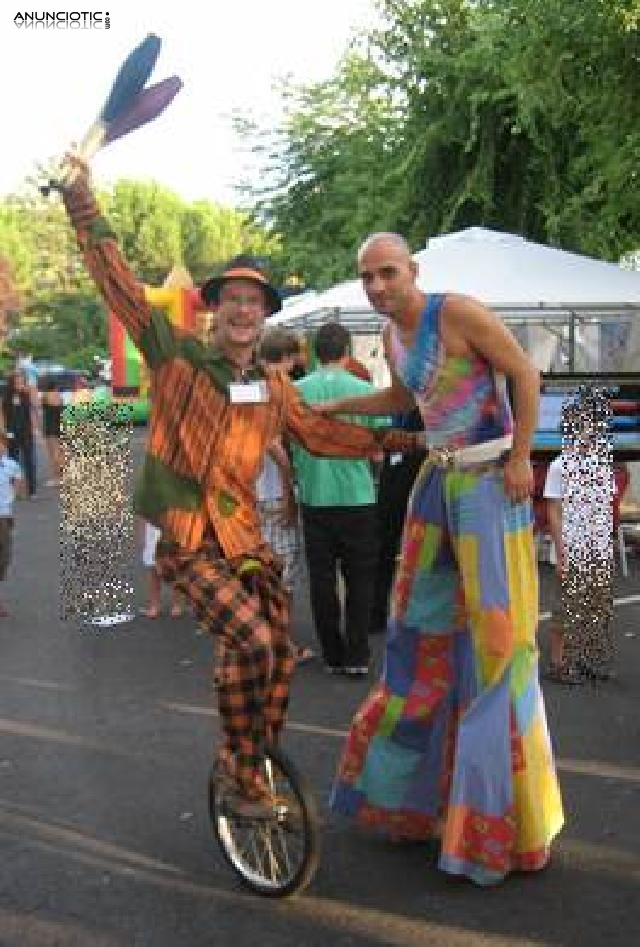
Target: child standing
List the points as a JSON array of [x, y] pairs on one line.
[[11, 481], [152, 610]]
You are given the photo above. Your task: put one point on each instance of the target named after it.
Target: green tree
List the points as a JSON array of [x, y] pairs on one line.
[[67, 327], [212, 234], [146, 218], [35, 236], [326, 169], [515, 114]]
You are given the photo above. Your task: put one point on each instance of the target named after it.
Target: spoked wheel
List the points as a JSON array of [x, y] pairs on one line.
[[275, 856]]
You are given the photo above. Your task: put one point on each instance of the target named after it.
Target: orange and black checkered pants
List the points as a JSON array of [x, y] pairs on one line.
[[249, 618]]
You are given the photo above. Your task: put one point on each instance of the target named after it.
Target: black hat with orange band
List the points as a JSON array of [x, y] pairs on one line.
[[241, 268]]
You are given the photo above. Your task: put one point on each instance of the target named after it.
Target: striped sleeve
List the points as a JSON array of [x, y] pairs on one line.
[[326, 436], [122, 292]]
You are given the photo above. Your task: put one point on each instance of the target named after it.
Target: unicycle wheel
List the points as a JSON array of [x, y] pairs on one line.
[[276, 856]]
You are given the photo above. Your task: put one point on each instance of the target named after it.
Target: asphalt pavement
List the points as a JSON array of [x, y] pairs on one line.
[[105, 741]]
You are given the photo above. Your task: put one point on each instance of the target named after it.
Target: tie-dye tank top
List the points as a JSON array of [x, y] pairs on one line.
[[462, 399]]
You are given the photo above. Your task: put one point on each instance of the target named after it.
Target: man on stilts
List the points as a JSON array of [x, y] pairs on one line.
[[452, 744]]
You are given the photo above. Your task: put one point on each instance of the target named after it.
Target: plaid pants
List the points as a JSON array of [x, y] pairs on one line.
[[248, 612]]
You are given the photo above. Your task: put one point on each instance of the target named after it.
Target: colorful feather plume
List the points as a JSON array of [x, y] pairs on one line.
[[129, 104]]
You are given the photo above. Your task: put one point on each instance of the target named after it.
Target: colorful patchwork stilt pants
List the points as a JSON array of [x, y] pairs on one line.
[[248, 613], [453, 741]]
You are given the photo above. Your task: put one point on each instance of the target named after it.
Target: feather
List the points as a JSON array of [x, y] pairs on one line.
[[146, 106], [131, 78], [92, 141], [127, 98]]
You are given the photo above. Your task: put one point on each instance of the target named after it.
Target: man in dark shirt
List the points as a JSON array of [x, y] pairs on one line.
[[397, 476]]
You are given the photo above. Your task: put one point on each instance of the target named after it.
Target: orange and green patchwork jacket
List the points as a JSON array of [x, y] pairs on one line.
[[204, 453]]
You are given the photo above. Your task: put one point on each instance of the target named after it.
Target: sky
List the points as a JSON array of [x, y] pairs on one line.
[[228, 54]]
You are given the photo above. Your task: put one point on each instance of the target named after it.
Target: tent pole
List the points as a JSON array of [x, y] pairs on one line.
[[572, 343]]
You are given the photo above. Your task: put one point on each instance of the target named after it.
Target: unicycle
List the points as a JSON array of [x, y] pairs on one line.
[[274, 857]]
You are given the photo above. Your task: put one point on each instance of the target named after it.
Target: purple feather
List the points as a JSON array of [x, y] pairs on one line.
[[146, 106], [131, 78]]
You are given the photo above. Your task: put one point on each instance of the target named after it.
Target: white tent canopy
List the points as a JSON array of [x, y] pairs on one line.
[[526, 282], [506, 271]]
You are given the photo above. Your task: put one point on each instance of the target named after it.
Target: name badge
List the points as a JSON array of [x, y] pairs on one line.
[[395, 459], [249, 392]]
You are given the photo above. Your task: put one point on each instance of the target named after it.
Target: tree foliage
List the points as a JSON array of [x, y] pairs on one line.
[[64, 326], [521, 115]]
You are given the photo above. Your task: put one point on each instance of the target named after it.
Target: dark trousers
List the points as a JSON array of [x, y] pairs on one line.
[[394, 488], [24, 453], [6, 544], [344, 536]]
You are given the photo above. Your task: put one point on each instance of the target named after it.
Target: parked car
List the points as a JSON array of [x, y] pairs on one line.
[[67, 379]]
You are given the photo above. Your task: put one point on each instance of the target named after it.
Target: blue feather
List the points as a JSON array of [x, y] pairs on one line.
[[131, 78]]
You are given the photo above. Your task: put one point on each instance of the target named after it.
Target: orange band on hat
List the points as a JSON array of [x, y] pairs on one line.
[[243, 273]]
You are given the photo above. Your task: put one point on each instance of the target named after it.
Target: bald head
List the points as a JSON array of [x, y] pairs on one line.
[[385, 240], [388, 273]]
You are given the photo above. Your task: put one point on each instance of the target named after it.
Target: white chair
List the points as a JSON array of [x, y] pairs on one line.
[[629, 525]]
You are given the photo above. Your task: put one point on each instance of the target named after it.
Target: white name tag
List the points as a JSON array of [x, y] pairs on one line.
[[249, 392], [395, 459]]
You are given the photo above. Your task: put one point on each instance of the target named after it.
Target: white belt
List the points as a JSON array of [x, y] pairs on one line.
[[469, 456]]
